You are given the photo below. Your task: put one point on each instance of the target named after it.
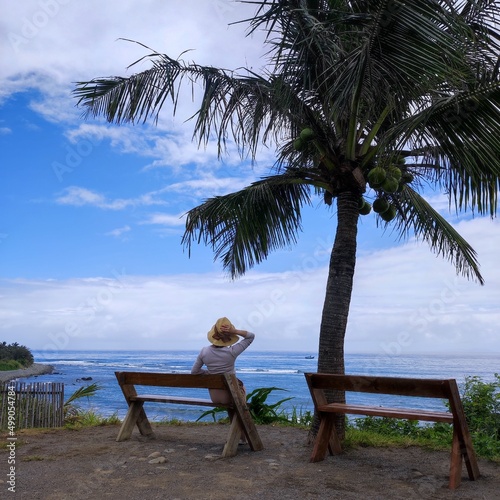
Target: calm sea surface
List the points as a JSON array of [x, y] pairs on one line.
[[284, 370]]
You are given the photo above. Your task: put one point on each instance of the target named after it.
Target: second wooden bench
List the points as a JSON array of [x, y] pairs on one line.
[[328, 440]]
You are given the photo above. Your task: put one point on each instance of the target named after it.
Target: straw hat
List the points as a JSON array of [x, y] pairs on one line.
[[216, 328]]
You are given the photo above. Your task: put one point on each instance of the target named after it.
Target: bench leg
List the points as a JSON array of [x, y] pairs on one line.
[[242, 414], [455, 462], [135, 415], [322, 441], [468, 453], [233, 438]]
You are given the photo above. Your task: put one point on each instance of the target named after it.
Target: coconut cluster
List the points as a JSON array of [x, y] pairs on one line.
[[385, 181], [301, 143]]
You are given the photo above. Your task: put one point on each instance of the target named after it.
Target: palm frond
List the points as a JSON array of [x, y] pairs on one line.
[[371, 79], [416, 216], [82, 392], [244, 227], [459, 135]]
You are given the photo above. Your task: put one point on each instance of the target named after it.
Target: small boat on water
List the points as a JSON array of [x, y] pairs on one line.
[[309, 357]]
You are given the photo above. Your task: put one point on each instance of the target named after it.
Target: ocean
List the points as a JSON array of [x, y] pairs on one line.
[[283, 370]]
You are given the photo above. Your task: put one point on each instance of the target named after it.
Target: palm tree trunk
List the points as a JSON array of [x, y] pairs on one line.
[[338, 298]]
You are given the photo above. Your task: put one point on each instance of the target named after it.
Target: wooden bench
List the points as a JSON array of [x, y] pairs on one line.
[[241, 420], [327, 438]]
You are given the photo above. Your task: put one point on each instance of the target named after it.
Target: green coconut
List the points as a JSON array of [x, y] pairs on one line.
[[394, 171], [389, 214], [299, 144], [380, 205], [307, 134], [376, 177], [407, 177], [361, 202], [365, 209], [390, 185]]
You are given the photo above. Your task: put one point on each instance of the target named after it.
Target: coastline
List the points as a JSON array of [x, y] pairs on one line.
[[31, 371]]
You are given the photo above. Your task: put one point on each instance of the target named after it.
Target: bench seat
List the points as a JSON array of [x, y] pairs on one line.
[[160, 398], [384, 411]]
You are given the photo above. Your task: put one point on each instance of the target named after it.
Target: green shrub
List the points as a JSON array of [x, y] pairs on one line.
[[11, 364], [481, 402], [15, 352]]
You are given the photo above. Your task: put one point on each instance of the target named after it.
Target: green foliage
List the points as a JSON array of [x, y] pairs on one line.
[[73, 414], [9, 365], [89, 418], [300, 417], [20, 354], [481, 402], [387, 426], [261, 411]]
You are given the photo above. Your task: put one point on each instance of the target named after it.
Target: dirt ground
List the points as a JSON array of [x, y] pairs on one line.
[[183, 462]]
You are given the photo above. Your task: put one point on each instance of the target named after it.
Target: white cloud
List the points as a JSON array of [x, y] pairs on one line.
[[52, 44], [68, 41], [5, 130], [119, 232], [405, 301], [78, 197], [165, 219], [208, 185], [404, 298]]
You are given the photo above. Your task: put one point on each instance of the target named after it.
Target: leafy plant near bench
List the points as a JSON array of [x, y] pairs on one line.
[[262, 412], [72, 411]]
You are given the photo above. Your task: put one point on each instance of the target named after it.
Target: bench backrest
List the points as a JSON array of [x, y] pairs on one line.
[[426, 388], [173, 380]]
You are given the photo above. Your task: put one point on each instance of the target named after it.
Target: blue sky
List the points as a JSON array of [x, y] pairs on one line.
[[92, 213]]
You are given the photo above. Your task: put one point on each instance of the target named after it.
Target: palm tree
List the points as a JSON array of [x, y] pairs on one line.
[[370, 99]]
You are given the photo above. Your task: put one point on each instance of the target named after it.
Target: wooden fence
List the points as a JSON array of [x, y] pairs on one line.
[[35, 404]]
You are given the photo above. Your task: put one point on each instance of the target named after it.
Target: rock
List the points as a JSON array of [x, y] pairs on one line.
[[158, 460], [155, 454]]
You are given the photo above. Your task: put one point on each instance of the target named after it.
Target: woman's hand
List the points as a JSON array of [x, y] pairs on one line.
[[228, 329], [231, 330]]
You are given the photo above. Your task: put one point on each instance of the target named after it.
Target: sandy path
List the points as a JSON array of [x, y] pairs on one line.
[[34, 369]]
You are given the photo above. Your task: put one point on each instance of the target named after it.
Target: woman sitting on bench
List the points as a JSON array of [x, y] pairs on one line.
[[220, 356]]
